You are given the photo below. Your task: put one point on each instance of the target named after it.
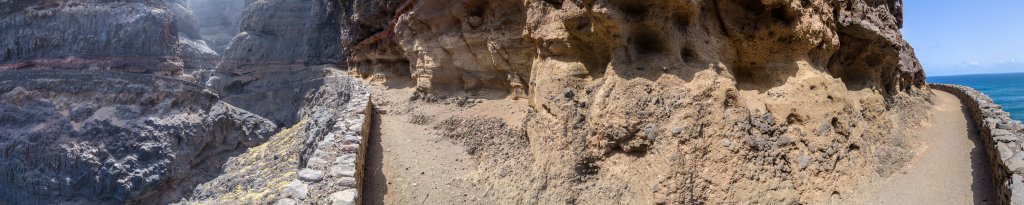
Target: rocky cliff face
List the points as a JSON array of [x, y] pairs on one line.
[[151, 37], [719, 97], [727, 101], [93, 132], [113, 138]]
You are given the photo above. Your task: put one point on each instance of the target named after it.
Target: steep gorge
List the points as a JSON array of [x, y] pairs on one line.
[[726, 101]]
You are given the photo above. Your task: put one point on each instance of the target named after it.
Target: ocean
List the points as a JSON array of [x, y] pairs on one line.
[[1007, 89]]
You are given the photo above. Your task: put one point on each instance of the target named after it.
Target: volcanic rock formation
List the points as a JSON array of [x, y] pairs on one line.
[[661, 101], [113, 138], [150, 37], [702, 101]]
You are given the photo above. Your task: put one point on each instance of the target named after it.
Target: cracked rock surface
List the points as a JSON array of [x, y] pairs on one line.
[[113, 138]]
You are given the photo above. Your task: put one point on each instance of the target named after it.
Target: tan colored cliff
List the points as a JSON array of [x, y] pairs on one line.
[[730, 101]]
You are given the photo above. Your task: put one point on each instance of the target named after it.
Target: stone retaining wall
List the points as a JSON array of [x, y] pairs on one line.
[[1002, 137]]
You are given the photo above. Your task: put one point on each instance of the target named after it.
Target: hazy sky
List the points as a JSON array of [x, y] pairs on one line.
[[954, 37]]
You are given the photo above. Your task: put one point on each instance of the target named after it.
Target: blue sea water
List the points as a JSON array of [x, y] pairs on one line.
[[1006, 89]]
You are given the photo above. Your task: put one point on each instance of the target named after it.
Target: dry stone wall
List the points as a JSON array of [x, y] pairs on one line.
[[1002, 137]]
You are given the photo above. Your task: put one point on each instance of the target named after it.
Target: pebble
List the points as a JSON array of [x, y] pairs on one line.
[[1016, 185], [356, 127], [1016, 162], [1004, 151], [804, 161], [343, 169], [311, 175], [344, 197], [286, 201], [346, 182], [296, 189]]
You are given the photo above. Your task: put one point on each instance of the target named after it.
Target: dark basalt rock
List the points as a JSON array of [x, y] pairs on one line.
[[113, 138], [149, 37]]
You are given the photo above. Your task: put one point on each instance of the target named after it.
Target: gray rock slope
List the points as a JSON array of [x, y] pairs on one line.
[[113, 138]]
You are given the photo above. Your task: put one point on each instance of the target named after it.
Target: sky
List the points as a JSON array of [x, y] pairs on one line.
[[955, 37]]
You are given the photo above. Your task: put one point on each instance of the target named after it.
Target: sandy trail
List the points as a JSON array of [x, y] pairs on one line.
[[409, 162], [951, 169]]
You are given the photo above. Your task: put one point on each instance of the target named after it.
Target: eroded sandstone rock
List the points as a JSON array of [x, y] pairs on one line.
[[790, 93]]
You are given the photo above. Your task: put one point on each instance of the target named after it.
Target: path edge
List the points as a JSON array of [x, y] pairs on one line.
[[1002, 137]]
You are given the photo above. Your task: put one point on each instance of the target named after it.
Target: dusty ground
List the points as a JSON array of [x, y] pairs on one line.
[[410, 162], [951, 167]]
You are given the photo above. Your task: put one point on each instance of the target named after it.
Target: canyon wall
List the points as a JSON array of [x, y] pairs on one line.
[[106, 102], [727, 101], [678, 101], [113, 138], [150, 37]]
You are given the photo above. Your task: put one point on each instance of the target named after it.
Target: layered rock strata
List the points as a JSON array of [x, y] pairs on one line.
[[217, 20], [288, 82], [1002, 137], [149, 37], [113, 138]]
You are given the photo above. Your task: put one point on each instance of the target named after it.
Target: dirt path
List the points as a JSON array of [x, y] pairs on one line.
[[409, 162], [950, 169]]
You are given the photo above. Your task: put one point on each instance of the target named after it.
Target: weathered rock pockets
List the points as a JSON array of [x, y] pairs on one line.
[[703, 100], [732, 101], [1002, 137]]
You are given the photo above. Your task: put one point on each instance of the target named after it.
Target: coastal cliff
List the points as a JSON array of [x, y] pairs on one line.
[[668, 102], [683, 101]]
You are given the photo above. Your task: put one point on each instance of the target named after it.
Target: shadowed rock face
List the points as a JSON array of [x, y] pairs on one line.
[[285, 33], [113, 138], [150, 37], [83, 134]]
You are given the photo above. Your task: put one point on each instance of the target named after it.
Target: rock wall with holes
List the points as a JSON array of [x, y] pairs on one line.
[[1002, 137], [472, 44], [797, 93]]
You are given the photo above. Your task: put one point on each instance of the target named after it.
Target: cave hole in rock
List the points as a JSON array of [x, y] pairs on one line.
[[688, 55], [787, 16], [751, 6], [805, 3], [476, 7], [632, 9], [682, 21], [858, 72], [556, 3], [762, 77], [597, 48], [647, 40]]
